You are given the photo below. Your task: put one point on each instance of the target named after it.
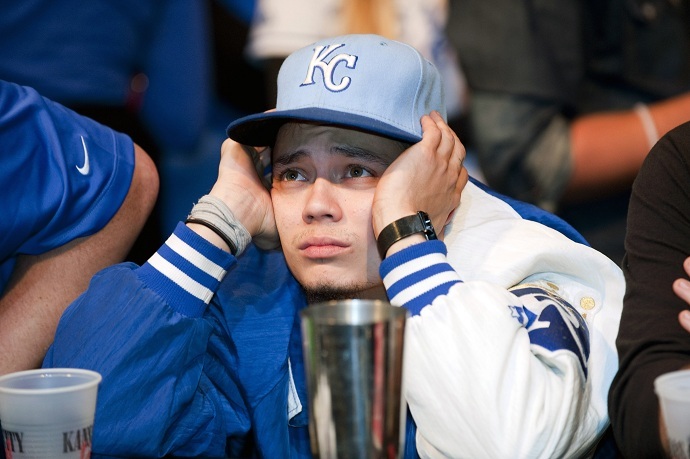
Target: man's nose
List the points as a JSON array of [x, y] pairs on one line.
[[322, 202]]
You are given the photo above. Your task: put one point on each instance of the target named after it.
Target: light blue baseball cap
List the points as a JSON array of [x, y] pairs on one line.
[[364, 82]]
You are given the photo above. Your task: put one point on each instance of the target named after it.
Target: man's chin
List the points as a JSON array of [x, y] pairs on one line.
[[321, 294]]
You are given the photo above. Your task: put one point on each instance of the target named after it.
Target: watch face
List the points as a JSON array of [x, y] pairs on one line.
[[429, 231]]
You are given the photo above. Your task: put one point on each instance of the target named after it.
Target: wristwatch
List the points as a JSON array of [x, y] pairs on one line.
[[404, 227]]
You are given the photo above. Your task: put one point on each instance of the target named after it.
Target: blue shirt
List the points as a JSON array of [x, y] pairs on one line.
[[63, 176]]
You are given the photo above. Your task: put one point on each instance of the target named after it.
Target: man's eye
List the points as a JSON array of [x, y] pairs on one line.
[[291, 175], [359, 171]]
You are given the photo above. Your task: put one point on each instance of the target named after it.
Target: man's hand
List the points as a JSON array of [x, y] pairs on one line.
[[243, 191], [681, 287], [428, 176]]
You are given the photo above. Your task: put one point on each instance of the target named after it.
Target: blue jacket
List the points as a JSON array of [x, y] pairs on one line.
[[201, 361]]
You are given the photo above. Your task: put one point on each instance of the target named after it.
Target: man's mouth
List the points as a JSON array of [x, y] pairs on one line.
[[323, 247]]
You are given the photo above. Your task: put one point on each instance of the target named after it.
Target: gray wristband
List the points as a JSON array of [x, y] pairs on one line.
[[213, 213]]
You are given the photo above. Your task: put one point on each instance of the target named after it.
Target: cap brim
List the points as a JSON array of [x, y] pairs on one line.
[[261, 129]]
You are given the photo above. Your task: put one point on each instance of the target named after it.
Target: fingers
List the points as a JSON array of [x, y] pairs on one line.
[[681, 287], [436, 132], [261, 158], [442, 138], [684, 320], [446, 144], [446, 132], [245, 157]]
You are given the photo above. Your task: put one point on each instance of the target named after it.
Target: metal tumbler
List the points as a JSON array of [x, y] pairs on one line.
[[353, 352]]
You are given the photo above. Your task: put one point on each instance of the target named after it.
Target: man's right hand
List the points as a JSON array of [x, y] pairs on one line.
[[241, 188]]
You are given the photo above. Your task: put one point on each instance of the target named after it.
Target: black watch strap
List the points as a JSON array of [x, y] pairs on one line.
[[402, 228]]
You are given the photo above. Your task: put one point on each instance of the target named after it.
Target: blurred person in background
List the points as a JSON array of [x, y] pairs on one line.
[[75, 195], [567, 98], [654, 335], [280, 27], [139, 67]]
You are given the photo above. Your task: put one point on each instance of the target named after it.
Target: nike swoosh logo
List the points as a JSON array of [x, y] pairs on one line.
[[84, 170]]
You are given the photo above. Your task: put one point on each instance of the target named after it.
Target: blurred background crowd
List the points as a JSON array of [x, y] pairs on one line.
[[557, 103]]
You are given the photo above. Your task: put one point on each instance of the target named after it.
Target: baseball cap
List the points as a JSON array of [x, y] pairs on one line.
[[360, 81]]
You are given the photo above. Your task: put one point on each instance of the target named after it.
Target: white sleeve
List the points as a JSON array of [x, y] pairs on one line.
[[478, 386], [517, 360]]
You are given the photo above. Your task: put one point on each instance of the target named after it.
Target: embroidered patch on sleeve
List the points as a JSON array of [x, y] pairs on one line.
[[552, 322]]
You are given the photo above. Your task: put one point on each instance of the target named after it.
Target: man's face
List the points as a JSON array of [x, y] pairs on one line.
[[324, 179]]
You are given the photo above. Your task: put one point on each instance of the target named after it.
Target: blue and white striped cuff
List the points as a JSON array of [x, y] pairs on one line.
[[418, 274], [186, 271]]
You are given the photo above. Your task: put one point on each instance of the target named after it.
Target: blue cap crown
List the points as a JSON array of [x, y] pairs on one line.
[[365, 82]]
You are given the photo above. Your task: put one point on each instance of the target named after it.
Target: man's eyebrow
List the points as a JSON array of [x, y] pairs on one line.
[[288, 158], [359, 153]]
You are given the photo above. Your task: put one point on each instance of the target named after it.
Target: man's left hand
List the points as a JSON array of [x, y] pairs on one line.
[[428, 176]]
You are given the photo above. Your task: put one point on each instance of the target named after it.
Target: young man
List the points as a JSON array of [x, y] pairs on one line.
[[510, 347], [75, 195]]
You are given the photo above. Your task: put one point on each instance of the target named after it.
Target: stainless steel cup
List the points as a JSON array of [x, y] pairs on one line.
[[353, 352]]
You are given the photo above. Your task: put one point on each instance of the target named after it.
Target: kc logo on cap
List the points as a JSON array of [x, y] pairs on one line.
[[327, 68], [364, 82]]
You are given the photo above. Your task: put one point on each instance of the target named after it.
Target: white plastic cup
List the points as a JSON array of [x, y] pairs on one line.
[[48, 413], [673, 390]]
